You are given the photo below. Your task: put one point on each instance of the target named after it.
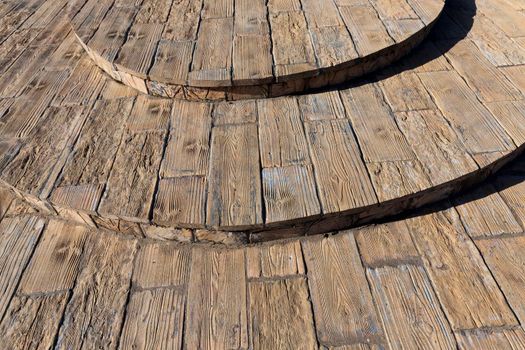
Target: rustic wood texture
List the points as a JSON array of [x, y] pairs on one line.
[[75, 143], [169, 48]]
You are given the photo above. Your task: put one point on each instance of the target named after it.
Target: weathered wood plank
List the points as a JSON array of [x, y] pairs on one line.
[[342, 303], [181, 200], [484, 213], [409, 309], [136, 55], [238, 112], [321, 106], [212, 61], [161, 265], [379, 137], [188, 153], [33, 322], [341, 176], [274, 304], [504, 256], [94, 153], [172, 61], [386, 244], [234, 195], [149, 114], [277, 260], [487, 339], [56, 260], [281, 133], [467, 291], [94, 315], [368, 32], [217, 291], [154, 320], [474, 124], [18, 238], [289, 193], [131, 184]]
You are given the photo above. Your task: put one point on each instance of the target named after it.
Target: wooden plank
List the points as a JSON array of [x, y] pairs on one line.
[[183, 21], [18, 238], [234, 195], [187, 153], [172, 62], [6, 198], [181, 201], [511, 115], [136, 55], [82, 87], [161, 265], [217, 291], [386, 244], [467, 291], [26, 112], [379, 137], [217, 9], [238, 112], [484, 213], [426, 58], [251, 17], [367, 30], [93, 155], [131, 184], [252, 59], [427, 10], [289, 193], [395, 179], [150, 114], [111, 34], [154, 319], [32, 322], [293, 52], [436, 145], [341, 176], [95, 312], [281, 133], [321, 13], [409, 309], [506, 261], [153, 11], [274, 304], [403, 29], [342, 303], [487, 339], [512, 190], [474, 124], [404, 91], [56, 260], [212, 61], [488, 83], [83, 197], [38, 164], [333, 45], [321, 106], [393, 10], [277, 260]]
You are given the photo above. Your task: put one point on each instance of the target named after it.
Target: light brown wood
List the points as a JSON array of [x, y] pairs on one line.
[[56, 261], [279, 260], [292, 308], [161, 312], [344, 312], [465, 287], [409, 310], [18, 237], [217, 291]]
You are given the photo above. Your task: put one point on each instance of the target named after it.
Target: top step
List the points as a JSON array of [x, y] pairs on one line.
[[238, 49]]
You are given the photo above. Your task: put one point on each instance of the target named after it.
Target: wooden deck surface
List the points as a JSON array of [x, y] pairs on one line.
[[134, 222], [446, 277], [196, 49], [76, 143]]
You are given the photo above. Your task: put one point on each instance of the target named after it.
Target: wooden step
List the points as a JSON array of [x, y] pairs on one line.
[[231, 50]]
